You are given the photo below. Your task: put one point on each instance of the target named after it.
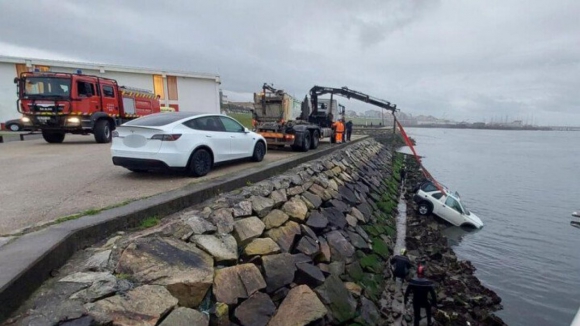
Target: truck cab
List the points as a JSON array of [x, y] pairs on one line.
[[60, 103]]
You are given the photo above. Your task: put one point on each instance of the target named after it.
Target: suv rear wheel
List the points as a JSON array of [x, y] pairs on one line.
[[424, 208], [200, 163]]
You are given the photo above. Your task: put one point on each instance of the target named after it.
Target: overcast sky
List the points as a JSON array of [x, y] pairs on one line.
[[469, 60]]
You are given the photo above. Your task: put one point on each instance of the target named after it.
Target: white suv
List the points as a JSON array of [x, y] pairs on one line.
[[446, 205]]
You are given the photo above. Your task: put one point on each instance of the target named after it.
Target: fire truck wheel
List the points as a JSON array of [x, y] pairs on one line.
[[200, 163], [53, 137], [315, 140], [306, 144], [102, 131], [259, 152]]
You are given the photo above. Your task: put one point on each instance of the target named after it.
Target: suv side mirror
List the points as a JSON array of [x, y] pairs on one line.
[[246, 130]]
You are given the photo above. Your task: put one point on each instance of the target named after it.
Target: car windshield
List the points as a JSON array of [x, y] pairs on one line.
[[46, 87], [157, 120]]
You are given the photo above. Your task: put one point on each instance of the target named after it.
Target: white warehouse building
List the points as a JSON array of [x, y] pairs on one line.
[[183, 91]]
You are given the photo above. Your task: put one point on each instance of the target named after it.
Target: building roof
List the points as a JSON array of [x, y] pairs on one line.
[[107, 67]]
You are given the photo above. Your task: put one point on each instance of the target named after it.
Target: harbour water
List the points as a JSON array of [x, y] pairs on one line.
[[524, 185]]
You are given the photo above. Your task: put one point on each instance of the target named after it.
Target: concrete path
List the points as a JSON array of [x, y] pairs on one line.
[[40, 182]]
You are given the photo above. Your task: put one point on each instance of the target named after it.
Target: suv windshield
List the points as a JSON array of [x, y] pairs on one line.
[[46, 86]]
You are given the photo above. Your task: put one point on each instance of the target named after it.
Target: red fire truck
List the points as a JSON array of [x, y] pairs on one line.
[[60, 103]]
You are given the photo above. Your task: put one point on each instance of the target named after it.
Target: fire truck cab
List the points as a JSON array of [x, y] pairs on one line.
[[60, 103]]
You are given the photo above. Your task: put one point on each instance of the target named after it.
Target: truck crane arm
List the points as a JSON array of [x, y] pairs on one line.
[[348, 93]]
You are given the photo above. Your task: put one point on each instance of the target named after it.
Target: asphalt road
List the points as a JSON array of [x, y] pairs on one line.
[[40, 182]]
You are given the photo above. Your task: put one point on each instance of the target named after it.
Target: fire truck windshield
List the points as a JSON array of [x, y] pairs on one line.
[[46, 87]]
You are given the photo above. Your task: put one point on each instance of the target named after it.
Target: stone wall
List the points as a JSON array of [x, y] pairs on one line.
[[308, 247]]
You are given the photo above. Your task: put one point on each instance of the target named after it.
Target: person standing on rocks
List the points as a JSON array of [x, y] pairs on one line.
[[400, 266], [421, 288]]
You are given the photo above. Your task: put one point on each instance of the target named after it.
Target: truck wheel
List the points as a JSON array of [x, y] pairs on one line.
[[200, 163], [259, 152], [102, 131], [53, 137], [424, 208], [315, 140], [306, 143]]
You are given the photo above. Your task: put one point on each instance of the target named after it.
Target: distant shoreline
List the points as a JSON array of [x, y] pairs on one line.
[[497, 127]]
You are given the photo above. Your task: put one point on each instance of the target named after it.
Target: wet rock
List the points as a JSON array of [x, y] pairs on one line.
[[200, 225], [366, 211], [320, 192], [306, 231], [300, 299], [279, 271], [261, 205], [144, 305], [294, 191], [279, 295], [340, 248], [237, 282], [256, 311], [369, 313], [312, 201], [279, 197], [185, 317], [296, 209], [275, 219], [247, 229], [353, 288], [98, 262], [185, 270], [308, 246], [362, 233], [336, 268], [262, 247], [242, 209], [83, 321], [317, 221], [223, 219], [357, 241], [340, 302], [308, 274], [351, 220], [324, 255], [301, 258], [358, 214], [340, 205], [284, 235], [100, 288], [221, 247], [55, 305], [335, 217]]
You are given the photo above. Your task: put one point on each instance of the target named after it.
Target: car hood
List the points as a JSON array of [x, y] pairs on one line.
[[475, 220]]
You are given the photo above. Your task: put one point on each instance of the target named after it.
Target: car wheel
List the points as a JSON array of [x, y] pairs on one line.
[[306, 143], [53, 137], [102, 131], [315, 140], [259, 152], [200, 163], [14, 127], [424, 208]]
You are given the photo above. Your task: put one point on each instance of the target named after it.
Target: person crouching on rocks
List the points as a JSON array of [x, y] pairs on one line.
[[421, 288], [400, 266]]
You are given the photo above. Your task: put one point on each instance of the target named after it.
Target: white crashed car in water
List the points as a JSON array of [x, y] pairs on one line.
[[446, 205]]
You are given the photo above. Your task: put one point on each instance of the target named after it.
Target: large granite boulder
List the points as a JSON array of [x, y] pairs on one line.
[[317, 221], [223, 219], [221, 247], [185, 317], [144, 305], [296, 209], [340, 248], [256, 311], [275, 218], [186, 271], [247, 229], [261, 205], [200, 225], [262, 247], [300, 307], [335, 217], [338, 299], [237, 282], [279, 270], [312, 201], [284, 236]]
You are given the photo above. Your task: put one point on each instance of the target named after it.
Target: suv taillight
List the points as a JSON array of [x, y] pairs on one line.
[[166, 137]]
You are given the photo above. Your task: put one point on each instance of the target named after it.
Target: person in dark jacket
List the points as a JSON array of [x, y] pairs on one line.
[[401, 265], [421, 288], [348, 130]]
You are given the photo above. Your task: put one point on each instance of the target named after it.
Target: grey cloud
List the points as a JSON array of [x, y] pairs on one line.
[[462, 59]]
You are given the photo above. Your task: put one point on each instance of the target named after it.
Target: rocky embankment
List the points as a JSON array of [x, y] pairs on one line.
[[308, 247]]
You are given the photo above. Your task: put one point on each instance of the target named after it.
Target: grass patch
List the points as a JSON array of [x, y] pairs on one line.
[[149, 222]]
